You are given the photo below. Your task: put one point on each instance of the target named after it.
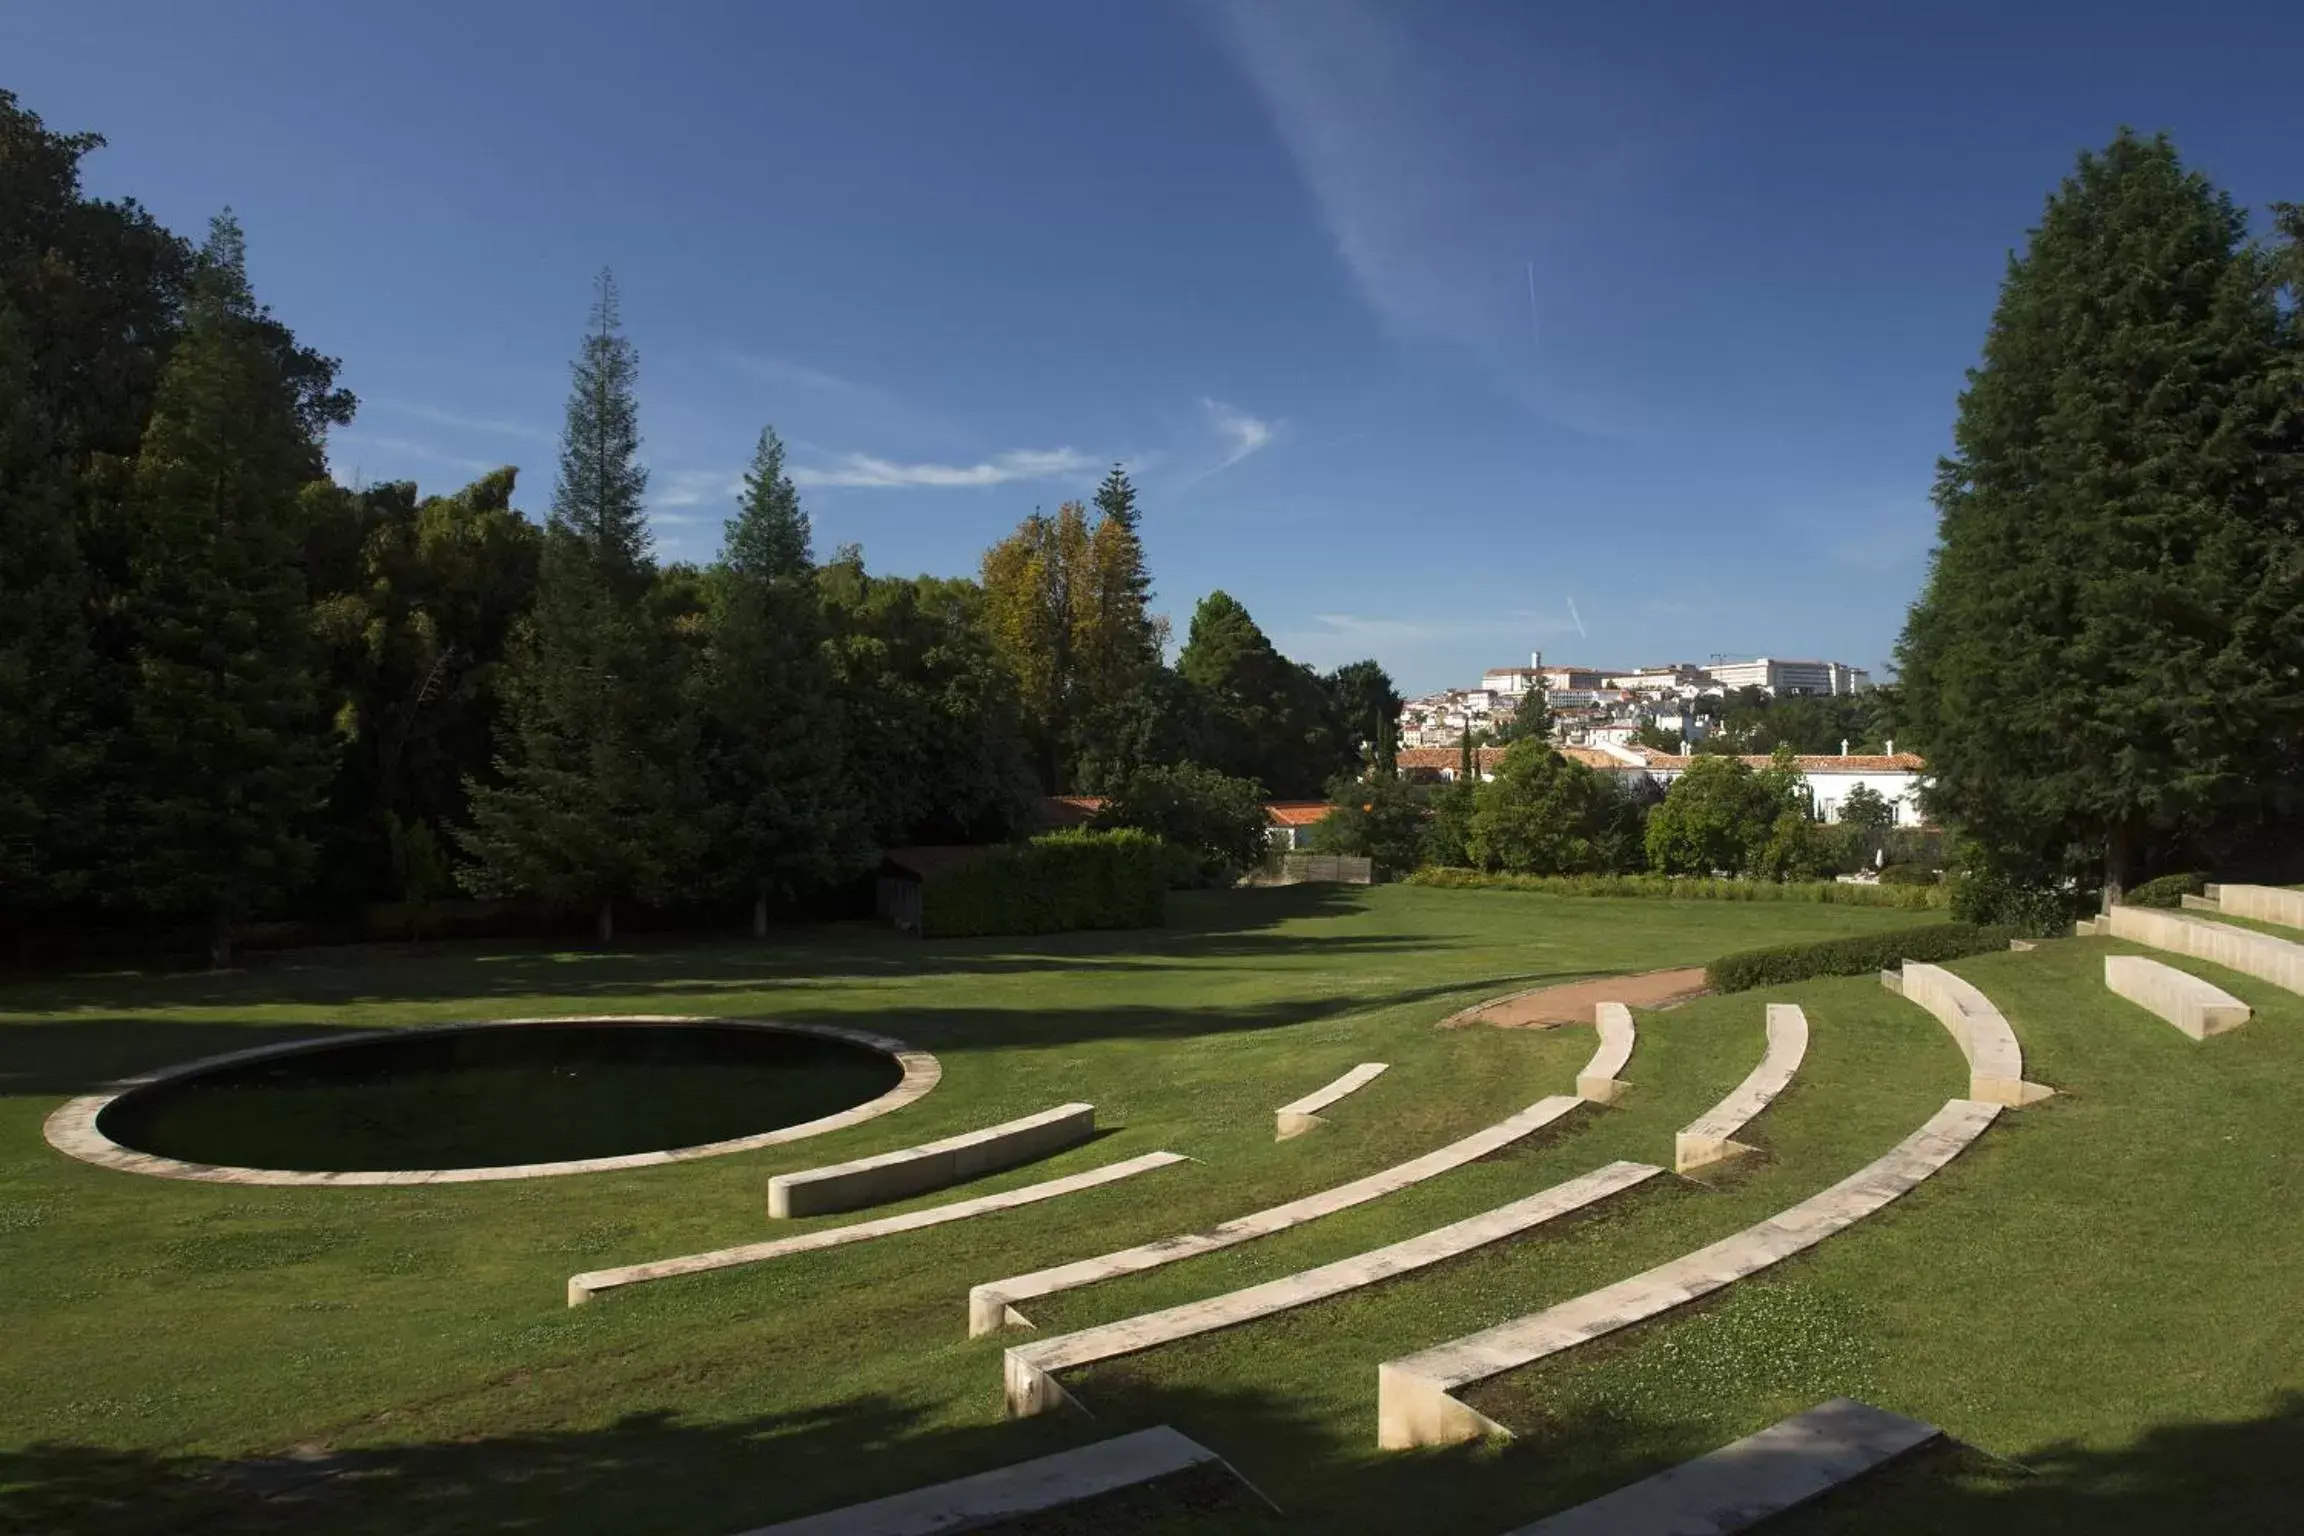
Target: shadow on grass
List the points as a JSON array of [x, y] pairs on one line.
[[1234, 925], [82, 1054], [646, 1472]]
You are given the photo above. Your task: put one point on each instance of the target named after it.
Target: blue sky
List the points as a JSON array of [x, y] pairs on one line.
[[1417, 322]]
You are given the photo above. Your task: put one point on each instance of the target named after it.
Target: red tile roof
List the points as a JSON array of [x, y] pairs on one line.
[[1296, 813], [1058, 811]]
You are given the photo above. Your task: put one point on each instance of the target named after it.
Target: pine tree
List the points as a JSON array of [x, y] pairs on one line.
[[2111, 631], [223, 764], [782, 815], [599, 797]]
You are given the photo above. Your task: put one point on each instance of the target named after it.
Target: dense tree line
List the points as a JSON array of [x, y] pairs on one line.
[[230, 687]]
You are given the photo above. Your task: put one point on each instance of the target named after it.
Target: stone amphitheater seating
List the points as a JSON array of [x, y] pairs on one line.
[[936, 1165], [1030, 1369], [1598, 1081], [1710, 1137], [1995, 1060], [1757, 1478], [2261, 955], [992, 1306], [582, 1288], [1006, 1493], [1297, 1118], [2264, 903], [1415, 1395], [2198, 1008]]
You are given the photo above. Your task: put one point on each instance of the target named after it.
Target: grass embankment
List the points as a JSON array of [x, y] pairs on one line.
[[2096, 1290], [161, 1335]]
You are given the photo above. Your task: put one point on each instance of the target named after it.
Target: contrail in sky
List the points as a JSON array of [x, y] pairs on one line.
[[1535, 331], [1579, 618]]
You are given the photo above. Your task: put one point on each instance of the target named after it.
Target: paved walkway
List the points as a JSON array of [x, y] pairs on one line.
[[1571, 1002]]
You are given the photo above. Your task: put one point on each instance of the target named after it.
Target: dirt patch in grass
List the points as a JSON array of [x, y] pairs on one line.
[[1571, 1002]]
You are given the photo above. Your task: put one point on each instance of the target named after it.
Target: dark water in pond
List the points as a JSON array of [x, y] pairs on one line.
[[484, 1097]]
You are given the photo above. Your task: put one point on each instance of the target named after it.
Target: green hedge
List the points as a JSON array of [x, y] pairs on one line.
[[2167, 891], [1907, 874], [1904, 898], [1857, 956], [1055, 883]]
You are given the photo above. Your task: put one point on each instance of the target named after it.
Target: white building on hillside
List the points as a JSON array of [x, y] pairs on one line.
[[1782, 677]]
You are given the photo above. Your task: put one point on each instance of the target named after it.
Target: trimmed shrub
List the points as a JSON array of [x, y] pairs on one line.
[[1053, 884], [2167, 891], [1907, 898], [1216, 821], [1907, 874], [1995, 898], [1860, 955]]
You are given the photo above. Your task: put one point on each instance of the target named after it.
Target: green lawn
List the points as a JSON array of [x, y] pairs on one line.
[[2100, 1274]]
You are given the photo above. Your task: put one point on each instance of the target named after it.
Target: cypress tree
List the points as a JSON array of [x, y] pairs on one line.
[[783, 819], [598, 798], [223, 762], [2110, 634]]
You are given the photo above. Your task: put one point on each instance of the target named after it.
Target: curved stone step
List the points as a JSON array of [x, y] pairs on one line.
[[912, 1171], [1757, 1478], [992, 1306], [1028, 1487], [2264, 903], [1415, 1396], [1710, 1137], [2264, 956], [1995, 1060], [1030, 1369], [2198, 1008], [1297, 1118], [582, 1288], [1598, 1081]]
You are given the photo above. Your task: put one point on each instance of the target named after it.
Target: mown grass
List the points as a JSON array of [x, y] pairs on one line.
[[2093, 1290]]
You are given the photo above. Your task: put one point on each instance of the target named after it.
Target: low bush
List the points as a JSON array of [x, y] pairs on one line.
[[2167, 891], [1857, 956], [1906, 898], [1053, 884], [1907, 874], [1994, 898]]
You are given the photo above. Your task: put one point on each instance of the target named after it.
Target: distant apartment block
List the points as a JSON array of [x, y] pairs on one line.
[[1782, 677]]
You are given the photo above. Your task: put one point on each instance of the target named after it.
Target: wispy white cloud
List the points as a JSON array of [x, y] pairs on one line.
[[1242, 433], [865, 470], [696, 488], [461, 422], [1445, 160], [784, 371], [408, 448]]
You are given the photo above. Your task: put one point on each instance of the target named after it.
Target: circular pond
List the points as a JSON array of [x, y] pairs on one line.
[[511, 1100]]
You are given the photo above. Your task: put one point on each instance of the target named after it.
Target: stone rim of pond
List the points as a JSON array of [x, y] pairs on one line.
[[72, 1130]]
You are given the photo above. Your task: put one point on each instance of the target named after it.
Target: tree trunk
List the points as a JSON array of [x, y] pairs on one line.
[[607, 920], [2120, 855], [760, 915], [219, 939]]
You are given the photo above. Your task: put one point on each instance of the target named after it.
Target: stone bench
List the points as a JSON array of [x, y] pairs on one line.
[[1757, 1478], [1297, 1118], [935, 1165], [1030, 1369], [1995, 1060], [1006, 1493], [992, 1306], [2264, 903], [1598, 1082], [1710, 1137], [582, 1288], [1415, 1396], [2196, 1007], [2261, 955]]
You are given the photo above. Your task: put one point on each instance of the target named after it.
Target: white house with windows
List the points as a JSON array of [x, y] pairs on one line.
[[1892, 775]]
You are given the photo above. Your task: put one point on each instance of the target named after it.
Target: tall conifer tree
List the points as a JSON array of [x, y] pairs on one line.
[[782, 813], [2110, 635], [599, 797], [223, 763]]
